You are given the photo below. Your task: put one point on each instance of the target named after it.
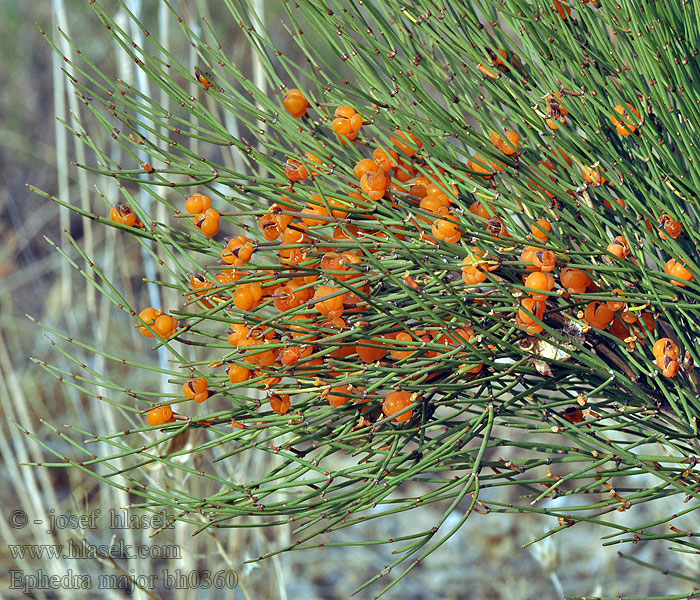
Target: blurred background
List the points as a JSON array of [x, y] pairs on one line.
[[484, 560]]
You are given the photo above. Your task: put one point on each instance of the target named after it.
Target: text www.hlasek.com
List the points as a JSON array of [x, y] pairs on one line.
[[83, 549]]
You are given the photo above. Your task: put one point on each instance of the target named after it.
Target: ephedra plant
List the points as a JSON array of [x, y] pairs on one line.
[[451, 234]]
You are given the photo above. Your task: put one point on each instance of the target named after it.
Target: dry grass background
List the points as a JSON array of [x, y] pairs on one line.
[[484, 560]]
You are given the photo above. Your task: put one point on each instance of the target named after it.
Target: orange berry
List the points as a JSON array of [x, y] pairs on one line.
[[342, 126], [292, 257], [509, 144], [238, 332], [370, 354], [628, 317], [356, 122], [563, 9], [433, 203], [386, 159], [396, 402], [339, 395], [197, 203], [149, 316], [536, 308], [283, 221], [238, 251], [286, 299], [199, 282], [208, 222], [196, 389], [204, 78], [672, 227], [350, 259], [418, 186], [315, 208], [676, 269], [295, 234], [401, 139], [164, 325], [531, 327], [540, 229], [447, 231], [194, 386], [203, 286], [124, 214], [540, 282], [347, 123], [481, 166], [339, 208], [478, 208], [544, 260], [265, 358], [593, 175], [295, 171], [598, 315], [615, 305], [473, 276], [527, 256], [575, 280], [228, 276], [289, 357], [280, 403], [619, 247], [332, 261], [668, 366], [619, 329], [628, 124], [666, 347], [237, 374], [328, 306], [247, 296], [366, 165], [269, 226], [345, 111], [375, 183], [497, 226], [402, 336], [573, 415], [160, 415], [209, 227], [296, 103]]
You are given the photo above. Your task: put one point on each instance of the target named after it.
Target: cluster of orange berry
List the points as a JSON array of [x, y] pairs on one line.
[[347, 123], [157, 323], [206, 219], [329, 251], [540, 285], [310, 312]]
